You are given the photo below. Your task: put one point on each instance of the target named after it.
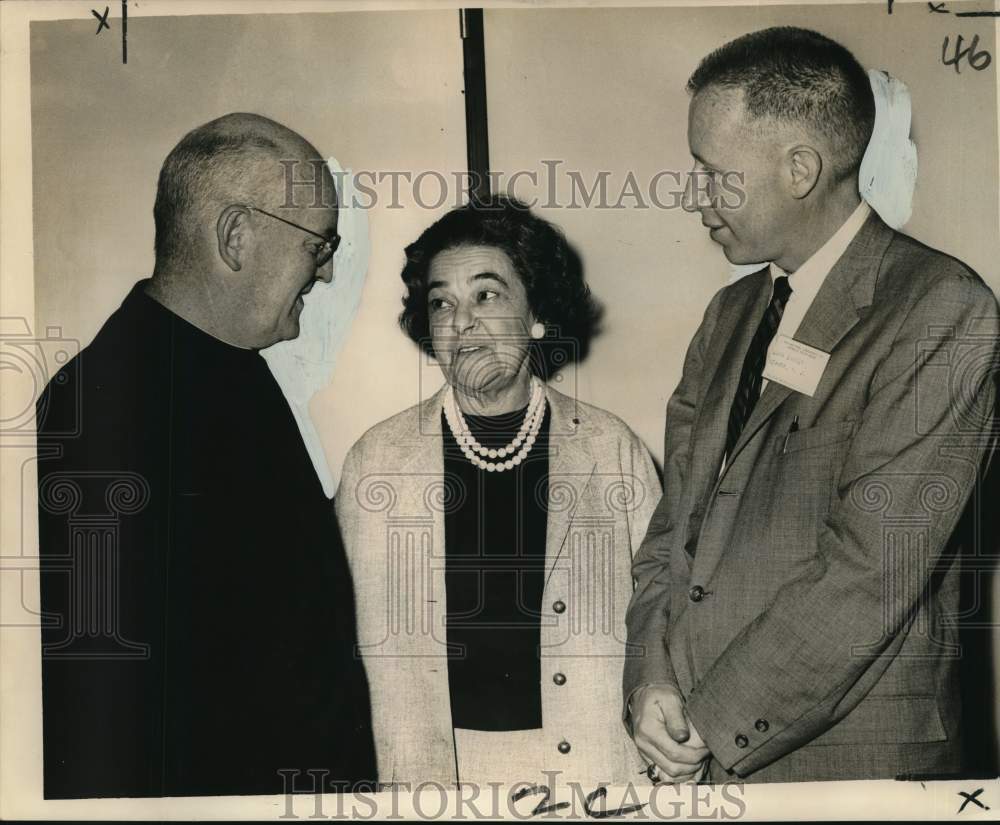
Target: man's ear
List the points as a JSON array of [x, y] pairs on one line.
[[804, 167], [231, 230]]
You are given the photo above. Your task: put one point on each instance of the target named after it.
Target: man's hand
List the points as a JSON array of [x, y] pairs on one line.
[[665, 736]]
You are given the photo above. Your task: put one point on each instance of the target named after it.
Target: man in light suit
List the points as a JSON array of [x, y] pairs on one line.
[[797, 590]]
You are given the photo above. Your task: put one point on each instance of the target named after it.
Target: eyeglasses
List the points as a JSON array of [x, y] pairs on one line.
[[329, 244]]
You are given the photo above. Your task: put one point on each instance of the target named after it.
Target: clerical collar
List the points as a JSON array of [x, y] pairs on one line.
[[140, 297]]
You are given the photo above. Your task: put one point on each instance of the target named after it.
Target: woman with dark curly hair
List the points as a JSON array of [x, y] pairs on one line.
[[491, 528]]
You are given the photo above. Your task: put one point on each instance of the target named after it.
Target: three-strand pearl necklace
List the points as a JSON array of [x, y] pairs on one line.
[[517, 449]]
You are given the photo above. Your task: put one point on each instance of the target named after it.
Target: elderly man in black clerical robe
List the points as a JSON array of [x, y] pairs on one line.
[[198, 618]]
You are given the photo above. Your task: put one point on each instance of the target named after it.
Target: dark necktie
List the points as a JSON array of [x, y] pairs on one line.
[[751, 377]]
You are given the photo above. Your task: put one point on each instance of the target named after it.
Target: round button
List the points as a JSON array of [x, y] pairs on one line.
[[564, 746], [696, 593], [761, 725], [559, 607], [559, 679], [742, 741]]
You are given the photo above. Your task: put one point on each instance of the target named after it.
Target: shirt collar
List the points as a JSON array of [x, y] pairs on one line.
[[166, 323], [808, 278]]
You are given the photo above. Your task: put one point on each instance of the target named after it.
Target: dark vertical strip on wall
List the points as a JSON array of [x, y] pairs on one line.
[[476, 135]]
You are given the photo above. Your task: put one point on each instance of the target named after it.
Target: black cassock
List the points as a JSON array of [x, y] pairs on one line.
[[198, 616]]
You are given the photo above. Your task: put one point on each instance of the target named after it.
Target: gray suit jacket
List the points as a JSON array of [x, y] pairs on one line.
[[391, 505], [805, 602]]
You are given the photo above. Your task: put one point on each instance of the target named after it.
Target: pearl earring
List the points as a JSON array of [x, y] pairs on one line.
[[537, 331]]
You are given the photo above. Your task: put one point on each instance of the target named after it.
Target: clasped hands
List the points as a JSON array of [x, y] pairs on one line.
[[665, 735]]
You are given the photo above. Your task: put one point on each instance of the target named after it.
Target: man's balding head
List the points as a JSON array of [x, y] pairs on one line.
[[237, 158], [244, 210]]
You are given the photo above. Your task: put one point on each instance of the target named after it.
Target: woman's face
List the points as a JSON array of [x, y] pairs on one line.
[[479, 316]]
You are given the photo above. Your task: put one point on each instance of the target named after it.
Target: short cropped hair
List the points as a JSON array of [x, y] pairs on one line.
[[548, 268], [794, 74], [210, 164]]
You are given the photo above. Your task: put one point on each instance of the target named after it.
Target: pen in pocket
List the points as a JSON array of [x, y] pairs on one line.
[[793, 427]]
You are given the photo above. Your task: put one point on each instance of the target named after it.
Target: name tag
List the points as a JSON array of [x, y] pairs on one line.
[[796, 365]]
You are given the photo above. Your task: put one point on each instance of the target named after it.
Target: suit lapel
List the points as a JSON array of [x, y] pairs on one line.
[[730, 342], [836, 309]]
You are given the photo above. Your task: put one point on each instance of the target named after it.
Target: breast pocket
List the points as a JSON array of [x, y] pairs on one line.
[[806, 466], [823, 435]]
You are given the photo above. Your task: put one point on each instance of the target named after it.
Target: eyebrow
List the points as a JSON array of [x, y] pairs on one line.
[[327, 234], [479, 276]]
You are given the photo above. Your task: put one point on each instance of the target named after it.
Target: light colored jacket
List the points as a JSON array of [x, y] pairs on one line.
[[805, 600], [391, 506]]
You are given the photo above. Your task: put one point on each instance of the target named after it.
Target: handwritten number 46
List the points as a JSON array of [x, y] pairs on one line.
[[978, 58]]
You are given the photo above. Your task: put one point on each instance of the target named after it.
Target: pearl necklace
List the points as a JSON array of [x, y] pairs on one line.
[[477, 453]]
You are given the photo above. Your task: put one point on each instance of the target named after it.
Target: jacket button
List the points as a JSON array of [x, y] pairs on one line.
[[761, 725], [564, 746], [696, 593], [559, 607], [559, 679], [741, 741]]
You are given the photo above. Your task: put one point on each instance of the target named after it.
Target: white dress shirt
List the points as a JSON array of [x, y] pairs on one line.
[[808, 278]]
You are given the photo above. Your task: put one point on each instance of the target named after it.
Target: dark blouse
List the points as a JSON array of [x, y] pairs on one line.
[[495, 532]]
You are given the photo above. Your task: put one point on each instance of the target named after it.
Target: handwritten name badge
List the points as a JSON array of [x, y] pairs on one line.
[[796, 365]]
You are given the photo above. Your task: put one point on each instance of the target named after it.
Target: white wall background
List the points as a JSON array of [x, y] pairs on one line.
[[380, 91], [603, 89], [595, 89]]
